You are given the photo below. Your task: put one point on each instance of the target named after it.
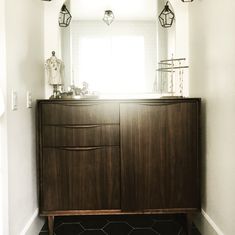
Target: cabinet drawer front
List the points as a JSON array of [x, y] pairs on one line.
[[81, 135], [80, 113], [86, 179]]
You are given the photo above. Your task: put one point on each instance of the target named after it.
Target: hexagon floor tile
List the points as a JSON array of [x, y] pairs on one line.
[[120, 225], [145, 231], [93, 222], [70, 228], [167, 227], [116, 228]]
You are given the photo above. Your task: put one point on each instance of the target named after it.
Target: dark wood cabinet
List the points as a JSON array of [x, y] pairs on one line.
[[118, 156], [80, 179], [142, 156], [159, 155]]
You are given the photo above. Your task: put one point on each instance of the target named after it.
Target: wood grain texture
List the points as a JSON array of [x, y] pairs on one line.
[[181, 156], [51, 225], [89, 135], [81, 180], [120, 212], [159, 156], [142, 156], [80, 113], [82, 170]]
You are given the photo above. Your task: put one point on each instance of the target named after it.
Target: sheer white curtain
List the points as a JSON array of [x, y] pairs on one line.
[[114, 59]]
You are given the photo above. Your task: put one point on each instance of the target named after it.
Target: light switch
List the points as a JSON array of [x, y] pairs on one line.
[[29, 99], [14, 101]]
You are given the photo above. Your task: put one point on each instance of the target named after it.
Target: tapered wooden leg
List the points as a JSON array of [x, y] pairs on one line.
[[189, 223], [51, 225]]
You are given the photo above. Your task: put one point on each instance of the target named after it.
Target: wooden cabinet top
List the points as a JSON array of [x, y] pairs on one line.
[[157, 100]]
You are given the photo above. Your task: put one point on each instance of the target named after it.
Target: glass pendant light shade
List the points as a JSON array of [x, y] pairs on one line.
[[187, 0], [108, 17], [166, 17], [64, 17]]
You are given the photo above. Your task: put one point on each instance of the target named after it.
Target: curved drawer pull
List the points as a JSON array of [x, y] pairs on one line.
[[81, 126], [79, 148], [80, 104], [159, 104]]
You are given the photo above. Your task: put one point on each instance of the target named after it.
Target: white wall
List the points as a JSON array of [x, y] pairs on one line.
[[181, 29], [174, 40], [3, 129], [176, 37], [212, 77], [52, 34], [24, 59]]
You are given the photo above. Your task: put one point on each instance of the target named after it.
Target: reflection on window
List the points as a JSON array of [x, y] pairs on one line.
[[120, 58], [112, 64]]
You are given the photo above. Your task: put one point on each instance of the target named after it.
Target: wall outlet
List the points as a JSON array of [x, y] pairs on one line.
[[14, 100], [29, 99]]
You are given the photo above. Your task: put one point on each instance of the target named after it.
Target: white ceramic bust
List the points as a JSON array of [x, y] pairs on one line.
[[54, 70]]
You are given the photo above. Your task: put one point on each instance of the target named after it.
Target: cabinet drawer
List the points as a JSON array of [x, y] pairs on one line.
[[80, 179], [80, 113], [80, 135]]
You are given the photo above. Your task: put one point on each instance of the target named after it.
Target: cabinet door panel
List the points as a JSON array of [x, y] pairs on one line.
[[142, 129], [80, 179], [159, 155], [181, 157]]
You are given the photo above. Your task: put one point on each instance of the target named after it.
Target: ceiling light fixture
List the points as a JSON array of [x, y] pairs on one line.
[[108, 17], [187, 0], [64, 17], [166, 17]]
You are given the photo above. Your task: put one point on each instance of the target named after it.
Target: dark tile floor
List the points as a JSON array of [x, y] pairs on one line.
[[120, 225]]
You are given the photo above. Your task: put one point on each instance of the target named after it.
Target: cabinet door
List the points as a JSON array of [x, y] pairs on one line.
[[182, 156], [85, 178], [159, 167], [142, 130]]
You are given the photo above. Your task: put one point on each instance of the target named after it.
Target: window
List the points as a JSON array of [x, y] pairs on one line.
[[114, 59]]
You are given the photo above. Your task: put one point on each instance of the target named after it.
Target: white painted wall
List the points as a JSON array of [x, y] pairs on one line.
[[174, 40], [52, 34], [66, 44], [181, 29], [176, 37], [212, 77], [3, 130], [24, 60]]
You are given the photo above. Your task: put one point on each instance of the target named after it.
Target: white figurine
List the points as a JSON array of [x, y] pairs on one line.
[[54, 70]]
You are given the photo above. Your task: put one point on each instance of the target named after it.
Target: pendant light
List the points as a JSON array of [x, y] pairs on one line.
[[108, 17], [187, 0], [64, 17], [166, 17]]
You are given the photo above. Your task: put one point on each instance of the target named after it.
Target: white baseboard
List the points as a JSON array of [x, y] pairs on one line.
[[30, 223], [206, 225], [212, 223]]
